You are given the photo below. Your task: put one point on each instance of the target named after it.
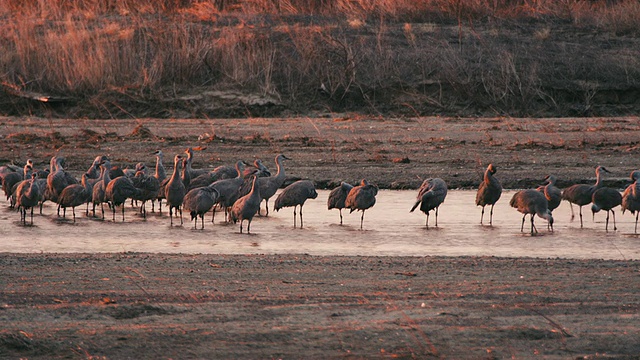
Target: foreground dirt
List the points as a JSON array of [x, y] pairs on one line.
[[295, 306], [393, 153]]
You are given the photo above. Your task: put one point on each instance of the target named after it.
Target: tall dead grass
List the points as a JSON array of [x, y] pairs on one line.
[[367, 53]]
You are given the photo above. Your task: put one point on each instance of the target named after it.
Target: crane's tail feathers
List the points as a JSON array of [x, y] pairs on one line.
[[415, 206]]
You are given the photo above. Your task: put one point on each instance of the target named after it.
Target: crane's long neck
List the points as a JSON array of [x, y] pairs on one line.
[[105, 175], [487, 176], [598, 179], [26, 172], [280, 174], [160, 172], [177, 167], [255, 189], [32, 188], [239, 169]]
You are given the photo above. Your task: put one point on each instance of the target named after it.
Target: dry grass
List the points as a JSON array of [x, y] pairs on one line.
[[122, 58]]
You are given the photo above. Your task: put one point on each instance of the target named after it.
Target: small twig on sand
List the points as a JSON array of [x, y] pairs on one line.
[[562, 330]]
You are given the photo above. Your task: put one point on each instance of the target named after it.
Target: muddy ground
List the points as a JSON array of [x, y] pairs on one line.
[[128, 305]]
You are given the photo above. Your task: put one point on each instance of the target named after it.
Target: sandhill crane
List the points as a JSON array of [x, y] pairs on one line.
[[58, 179], [606, 199], [532, 202], [361, 197], [294, 195], [28, 195], [631, 198], [199, 201], [94, 171], [551, 192], [149, 188], [229, 189], [431, 194], [175, 190], [489, 192], [263, 171], [99, 189], [582, 194], [75, 195], [118, 191], [161, 175], [193, 173], [270, 184], [337, 197], [12, 180], [246, 207]]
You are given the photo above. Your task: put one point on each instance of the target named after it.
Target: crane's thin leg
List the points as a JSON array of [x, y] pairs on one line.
[[436, 217], [171, 215], [581, 225], [73, 210], [635, 231], [123, 212], [249, 226], [572, 214], [294, 216], [606, 226], [614, 220], [482, 215], [102, 208], [361, 219], [180, 209], [532, 227], [300, 216], [25, 215], [266, 201], [427, 222], [340, 210], [241, 226], [522, 226], [491, 216]]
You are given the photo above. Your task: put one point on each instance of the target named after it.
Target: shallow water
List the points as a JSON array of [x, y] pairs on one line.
[[389, 229]]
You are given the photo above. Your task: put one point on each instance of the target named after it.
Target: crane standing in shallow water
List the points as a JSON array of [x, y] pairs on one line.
[[489, 192], [246, 207], [582, 194], [431, 194], [338, 196], [175, 190], [631, 198], [28, 195], [531, 202], [606, 199], [294, 195], [361, 198], [199, 201]]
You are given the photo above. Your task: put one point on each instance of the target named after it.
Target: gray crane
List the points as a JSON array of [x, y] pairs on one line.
[[631, 198], [118, 191], [338, 196], [12, 180], [270, 184], [246, 207], [175, 190], [489, 192], [99, 189], [532, 202], [75, 195], [551, 192], [199, 201], [161, 175], [149, 188], [431, 194], [28, 195], [361, 198], [263, 171], [582, 194], [606, 199], [58, 179], [193, 173], [229, 190], [294, 195]]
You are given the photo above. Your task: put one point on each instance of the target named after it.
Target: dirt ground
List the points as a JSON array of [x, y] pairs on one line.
[[126, 305]]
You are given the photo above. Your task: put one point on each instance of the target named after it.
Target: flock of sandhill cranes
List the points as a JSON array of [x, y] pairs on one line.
[[240, 189]]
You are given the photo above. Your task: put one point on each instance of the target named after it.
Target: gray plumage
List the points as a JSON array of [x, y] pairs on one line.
[[361, 198], [219, 173], [161, 175], [631, 198], [606, 199], [532, 202], [338, 196], [118, 191], [28, 195], [551, 192], [270, 184], [175, 190], [75, 195], [582, 194], [246, 207], [263, 171], [58, 179], [199, 201], [295, 195], [149, 188], [94, 170], [98, 196], [193, 173], [431, 194], [229, 189], [489, 192], [11, 182]]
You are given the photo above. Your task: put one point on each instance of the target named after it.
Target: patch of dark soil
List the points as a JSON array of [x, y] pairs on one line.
[[136, 310]]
